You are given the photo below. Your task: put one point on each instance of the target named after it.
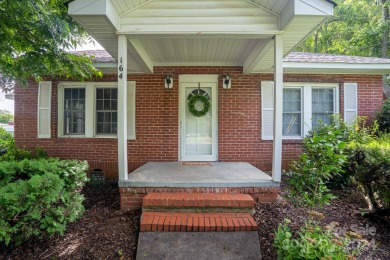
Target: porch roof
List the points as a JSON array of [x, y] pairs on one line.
[[200, 32], [294, 62]]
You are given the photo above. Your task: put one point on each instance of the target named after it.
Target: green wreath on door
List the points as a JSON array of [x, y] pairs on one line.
[[195, 99]]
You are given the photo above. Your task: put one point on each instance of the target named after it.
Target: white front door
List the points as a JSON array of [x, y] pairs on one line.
[[198, 134]]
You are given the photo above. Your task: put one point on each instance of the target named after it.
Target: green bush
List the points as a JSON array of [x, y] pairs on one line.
[[15, 154], [322, 158], [370, 165], [383, 117], [311, 242], [321, 148], [38, 198]]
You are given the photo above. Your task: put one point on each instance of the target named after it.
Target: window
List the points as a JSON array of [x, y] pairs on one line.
[[106, 110], [74, 111], [305, 105], [90, 109], [292, 112], [323, 105]]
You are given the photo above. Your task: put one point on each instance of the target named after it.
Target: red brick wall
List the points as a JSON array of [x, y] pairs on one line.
[[239, 112]]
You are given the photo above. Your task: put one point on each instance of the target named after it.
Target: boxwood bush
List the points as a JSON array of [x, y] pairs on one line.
[[38, 198], [370, 167]]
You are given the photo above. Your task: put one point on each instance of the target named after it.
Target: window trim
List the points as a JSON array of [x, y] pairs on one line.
[[336, 101], [63, 109], [90, 107], [306, 113], [95, 134]]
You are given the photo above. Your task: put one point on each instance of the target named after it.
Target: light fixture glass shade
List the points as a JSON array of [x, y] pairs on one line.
[[168, 79], [226, 81]]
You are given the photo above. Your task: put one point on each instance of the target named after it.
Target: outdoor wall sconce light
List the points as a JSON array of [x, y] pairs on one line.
[[226, 81], [168, 81]]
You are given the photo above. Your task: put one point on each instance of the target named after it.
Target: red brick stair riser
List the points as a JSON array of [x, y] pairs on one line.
[[177, 199], [196, 222]]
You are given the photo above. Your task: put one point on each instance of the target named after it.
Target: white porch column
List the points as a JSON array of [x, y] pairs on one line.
[[122, 108], [278, 109]]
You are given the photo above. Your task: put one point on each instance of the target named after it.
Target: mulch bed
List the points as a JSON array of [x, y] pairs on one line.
[[105, 232], [342, 210]]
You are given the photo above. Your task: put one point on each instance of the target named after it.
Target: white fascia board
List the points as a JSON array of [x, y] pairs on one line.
[[87, 7], [95, 8], [313, 7], [304, 8], [100, 65], [335, 68]]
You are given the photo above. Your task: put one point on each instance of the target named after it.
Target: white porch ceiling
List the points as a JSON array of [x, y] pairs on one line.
[[199, 32]]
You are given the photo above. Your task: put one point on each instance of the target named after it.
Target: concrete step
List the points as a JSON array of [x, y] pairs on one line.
[[196, 222], [197, 202]]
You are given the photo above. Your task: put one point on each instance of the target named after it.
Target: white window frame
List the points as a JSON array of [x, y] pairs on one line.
[[306, 95], [302, 112], [102, 86], [90, 108], [61, 102]]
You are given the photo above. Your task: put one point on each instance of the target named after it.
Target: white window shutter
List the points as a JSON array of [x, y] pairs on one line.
[[267, 110], [350, 102], [44, 109], [131, 110]]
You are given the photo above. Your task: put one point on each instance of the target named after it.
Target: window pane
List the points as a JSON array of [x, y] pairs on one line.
[[68, 93], [107, 93], [292, 112], [74, 111], [99, 105], [75, 93], [106, 111], [322, 105], [99, 93], [107, 104]]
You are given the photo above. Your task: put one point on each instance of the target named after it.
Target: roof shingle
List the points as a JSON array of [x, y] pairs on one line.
[[332, 58], [304, 57]]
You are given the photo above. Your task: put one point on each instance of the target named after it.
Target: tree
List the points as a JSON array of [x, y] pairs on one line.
[[358, 27], [385, 39], [34, 35], [6, 116]]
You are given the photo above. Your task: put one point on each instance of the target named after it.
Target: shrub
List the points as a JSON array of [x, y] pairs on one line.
[[311, 242], [383, 117], [370, 165], [321, 159], [39, 197], [13, 153]]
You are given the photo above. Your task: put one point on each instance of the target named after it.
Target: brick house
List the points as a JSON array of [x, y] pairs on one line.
[[162, 54]]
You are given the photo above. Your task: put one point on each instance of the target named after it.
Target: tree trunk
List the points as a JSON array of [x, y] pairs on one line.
[[385, 43], [316, 41]]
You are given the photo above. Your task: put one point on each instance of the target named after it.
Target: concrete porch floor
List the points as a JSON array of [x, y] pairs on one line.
[[217, 174]]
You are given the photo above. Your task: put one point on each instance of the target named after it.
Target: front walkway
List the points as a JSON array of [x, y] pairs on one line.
[[187, 175]]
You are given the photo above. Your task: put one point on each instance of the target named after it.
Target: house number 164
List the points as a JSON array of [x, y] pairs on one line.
[[120, 68]]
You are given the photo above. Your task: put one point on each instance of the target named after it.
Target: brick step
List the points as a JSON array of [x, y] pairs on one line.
[[197, 202], [196, 222]]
